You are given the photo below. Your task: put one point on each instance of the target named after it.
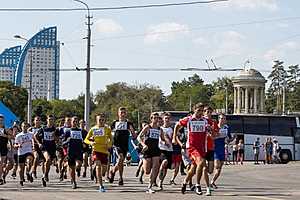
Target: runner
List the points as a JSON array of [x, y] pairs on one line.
[[24, 143], [196, 144], [213, 128], [166, 148], [140, 172], [224, 133], [122, 129], [149, 138], [100, 138], [37, 153], [15, 131], [61, 152], [11, 158], [4, 136], [73, 142], [87, 161], [46, 139]]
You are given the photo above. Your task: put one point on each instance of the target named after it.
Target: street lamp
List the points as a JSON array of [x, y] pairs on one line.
[[29, 103], [88, 67]]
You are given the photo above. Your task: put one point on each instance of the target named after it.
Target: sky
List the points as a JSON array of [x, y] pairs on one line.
[[168, 37]]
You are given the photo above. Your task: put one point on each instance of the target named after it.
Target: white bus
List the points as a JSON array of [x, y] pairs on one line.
[[286, 129]]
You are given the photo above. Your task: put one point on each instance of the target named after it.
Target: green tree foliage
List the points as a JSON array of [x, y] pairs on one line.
[[140, 100], [14, 97], [278, 79], [188, 92], [219, 94]]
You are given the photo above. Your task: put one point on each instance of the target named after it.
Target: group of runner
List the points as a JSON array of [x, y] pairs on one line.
[[197, 141]]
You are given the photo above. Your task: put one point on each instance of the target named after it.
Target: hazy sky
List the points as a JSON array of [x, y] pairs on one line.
[[223, 32]]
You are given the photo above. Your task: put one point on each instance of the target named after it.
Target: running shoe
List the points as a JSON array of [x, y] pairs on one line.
[[44, 182], [111, 177], [198, 190], [172, 182], [74, 185], [213, 185], [1, 182], [183, 188], [192, 187], [21, 183], [150, 191], [14, 175], [208, 192], [46, 178], [102, 189], [121, 182]]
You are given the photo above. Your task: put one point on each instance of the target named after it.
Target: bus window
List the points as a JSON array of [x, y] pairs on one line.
[[256, 125], [297, 136], [235, 123], [282, 126]]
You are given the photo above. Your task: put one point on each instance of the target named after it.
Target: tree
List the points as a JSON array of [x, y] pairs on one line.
[[218, 99], [278, 79], [140, 101], [188, 92], [14, 97]]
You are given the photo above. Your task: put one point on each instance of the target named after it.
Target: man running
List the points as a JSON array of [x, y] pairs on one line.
[[224, 133], [46, 138], [166, 148], [73, 140], [196, 143], [4, 136], [24, 143], [87, 161], [100, 138], [122, 129], [37, 152]]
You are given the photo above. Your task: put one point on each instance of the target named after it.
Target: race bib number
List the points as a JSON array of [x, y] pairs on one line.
[[1, 132], [154, 133], [197, 126], [121, 126], [99, 132], [26, 139], [223, 132], [49, 136], [76, 135]]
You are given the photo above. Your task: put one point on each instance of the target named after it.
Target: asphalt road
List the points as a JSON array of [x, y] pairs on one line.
[[265, 182]]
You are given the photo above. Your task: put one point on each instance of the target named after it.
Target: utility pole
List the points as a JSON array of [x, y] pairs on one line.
[[88, 68], [226, 99], [29, 99]]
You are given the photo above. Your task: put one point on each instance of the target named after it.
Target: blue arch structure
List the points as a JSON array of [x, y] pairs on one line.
[[9, 116], [46, 38], [10, 57]]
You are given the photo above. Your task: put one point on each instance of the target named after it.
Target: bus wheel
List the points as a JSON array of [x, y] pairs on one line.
[[285, 156]]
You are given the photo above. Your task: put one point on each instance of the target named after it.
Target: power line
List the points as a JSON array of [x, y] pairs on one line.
[[108, 8], [202, 28]]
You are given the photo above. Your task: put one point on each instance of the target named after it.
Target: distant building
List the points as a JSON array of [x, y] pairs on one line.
[[9, 59], [45, 64], [249, 92], [45, 50]]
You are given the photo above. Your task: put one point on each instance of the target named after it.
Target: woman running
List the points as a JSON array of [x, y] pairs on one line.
[[149, 138]]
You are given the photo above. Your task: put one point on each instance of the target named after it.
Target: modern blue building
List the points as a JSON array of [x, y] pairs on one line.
[[9, 59], [43, 50]]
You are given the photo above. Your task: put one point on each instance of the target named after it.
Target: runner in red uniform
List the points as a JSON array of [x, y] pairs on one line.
[[196, 144]]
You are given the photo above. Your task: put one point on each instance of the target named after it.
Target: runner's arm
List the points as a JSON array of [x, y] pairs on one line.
[[142, 134], [176, 140]]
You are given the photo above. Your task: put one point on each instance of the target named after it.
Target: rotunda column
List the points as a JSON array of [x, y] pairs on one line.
[[246, 100]]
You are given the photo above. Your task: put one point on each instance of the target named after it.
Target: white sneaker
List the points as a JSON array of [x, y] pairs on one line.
[[150, 191], [208, 192]]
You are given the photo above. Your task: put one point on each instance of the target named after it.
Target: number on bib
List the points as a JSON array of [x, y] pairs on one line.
[[223, 132], [154, 133], [99, 132], [197, 126], [121, 126], [76, 135], [1, 132], [49, 136]]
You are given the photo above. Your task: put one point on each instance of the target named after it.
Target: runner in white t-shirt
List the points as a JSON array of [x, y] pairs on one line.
[[166, 148], [24, 143]]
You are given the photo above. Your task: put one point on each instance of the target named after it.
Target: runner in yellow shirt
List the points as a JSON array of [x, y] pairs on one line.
[[100, 138]]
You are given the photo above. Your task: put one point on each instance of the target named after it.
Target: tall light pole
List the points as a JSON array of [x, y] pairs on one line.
[[29, 99], [88, 67]]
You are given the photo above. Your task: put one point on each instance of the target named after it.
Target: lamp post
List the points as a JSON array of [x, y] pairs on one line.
[[29, 102], [88, 67]]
